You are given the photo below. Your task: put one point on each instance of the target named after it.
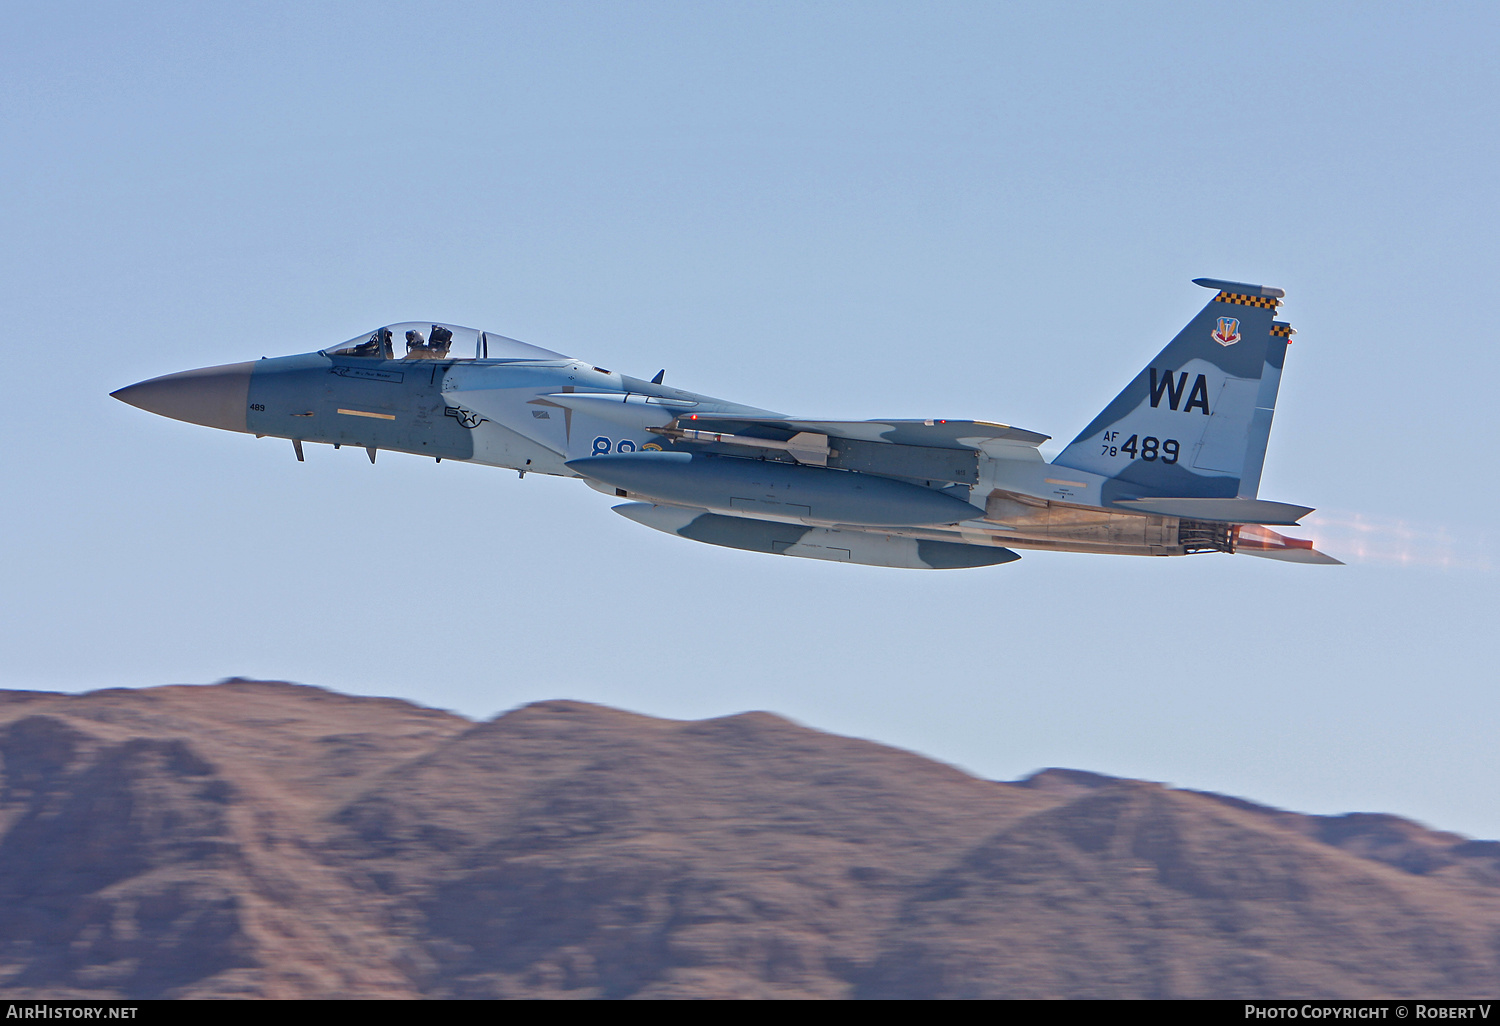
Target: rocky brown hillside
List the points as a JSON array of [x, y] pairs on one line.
[[267, 839]]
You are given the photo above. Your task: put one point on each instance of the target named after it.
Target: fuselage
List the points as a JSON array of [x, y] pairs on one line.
[[930, 494], [536, 415]]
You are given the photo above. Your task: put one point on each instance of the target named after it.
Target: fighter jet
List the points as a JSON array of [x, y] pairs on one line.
[[1171, 467]]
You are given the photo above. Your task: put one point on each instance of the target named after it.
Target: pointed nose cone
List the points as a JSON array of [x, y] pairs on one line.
[[211, 396]]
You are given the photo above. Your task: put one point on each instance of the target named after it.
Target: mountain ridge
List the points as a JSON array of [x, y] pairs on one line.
[[270, 839]]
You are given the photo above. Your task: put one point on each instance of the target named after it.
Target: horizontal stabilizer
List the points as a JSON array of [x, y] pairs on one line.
[[1256, 540], [1228, 511], [1293, 556]]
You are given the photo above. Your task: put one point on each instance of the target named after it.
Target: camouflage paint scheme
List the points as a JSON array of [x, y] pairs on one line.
[[1170, 467]]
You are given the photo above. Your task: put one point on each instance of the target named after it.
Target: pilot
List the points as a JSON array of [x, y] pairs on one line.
[[416, 345]]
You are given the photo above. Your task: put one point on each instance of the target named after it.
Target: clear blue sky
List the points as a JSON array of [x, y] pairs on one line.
[[837, 210]]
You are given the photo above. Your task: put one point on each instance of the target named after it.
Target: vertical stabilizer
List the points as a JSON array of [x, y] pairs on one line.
[[1195, 421]]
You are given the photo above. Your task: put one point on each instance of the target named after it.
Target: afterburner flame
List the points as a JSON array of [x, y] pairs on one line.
[[1364, 538]]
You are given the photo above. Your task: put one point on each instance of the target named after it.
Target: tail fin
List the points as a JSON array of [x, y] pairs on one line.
[[1195, 421]]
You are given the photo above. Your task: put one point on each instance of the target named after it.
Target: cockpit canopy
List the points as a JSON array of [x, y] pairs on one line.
[[423, 340]]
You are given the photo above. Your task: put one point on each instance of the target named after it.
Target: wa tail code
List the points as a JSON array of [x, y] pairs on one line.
[[1197, 397]]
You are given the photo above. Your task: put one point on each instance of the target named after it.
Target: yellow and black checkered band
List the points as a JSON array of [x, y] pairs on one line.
[[1279, 330], [1268, 302]]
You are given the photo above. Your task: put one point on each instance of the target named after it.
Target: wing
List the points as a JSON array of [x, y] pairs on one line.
[[843, 545], [943, 434], [926, 450]]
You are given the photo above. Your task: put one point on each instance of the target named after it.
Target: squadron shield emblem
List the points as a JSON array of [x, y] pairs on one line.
[[1228, 331]]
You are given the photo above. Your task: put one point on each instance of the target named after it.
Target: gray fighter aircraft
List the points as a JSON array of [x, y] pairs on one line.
[[1170, 467]]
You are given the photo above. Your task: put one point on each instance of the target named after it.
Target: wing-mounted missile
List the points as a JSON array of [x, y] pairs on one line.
[[950, 434], [942, 434], [805, 447], [926, 451], [870, 548]]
